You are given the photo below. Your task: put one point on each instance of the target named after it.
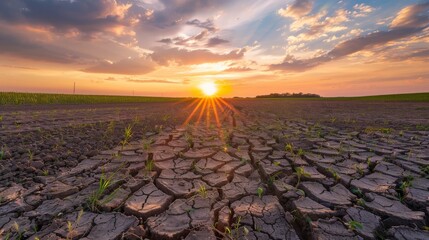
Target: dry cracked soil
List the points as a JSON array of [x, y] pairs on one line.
[[264, 170]]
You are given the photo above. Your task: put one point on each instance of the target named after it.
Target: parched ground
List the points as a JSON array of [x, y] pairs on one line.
[[270, 169]]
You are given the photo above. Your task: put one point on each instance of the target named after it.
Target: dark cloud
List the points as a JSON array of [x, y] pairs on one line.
[[208, 24], [185, 81], [297, 9], [85, 16], [192, 41], [238, 69], [422, 54], [216, 41], [19, 67], [180, 56], [19, 45], [129, 66], [401, 27], [175, 12], [413, 16]]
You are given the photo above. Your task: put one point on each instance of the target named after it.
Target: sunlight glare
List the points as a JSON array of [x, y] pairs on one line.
[[208, 88]]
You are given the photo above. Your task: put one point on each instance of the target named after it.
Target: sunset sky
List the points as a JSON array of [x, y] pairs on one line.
[[169, 47]]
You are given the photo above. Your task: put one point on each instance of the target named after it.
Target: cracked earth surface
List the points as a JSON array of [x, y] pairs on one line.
[[253, 177]]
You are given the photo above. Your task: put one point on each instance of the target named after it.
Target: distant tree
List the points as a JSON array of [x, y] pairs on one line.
[[289, 95]]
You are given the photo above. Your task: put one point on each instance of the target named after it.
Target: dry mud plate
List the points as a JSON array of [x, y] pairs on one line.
[[255, 177]]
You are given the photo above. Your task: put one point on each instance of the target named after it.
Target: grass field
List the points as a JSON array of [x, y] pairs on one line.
[[412, 97], [408, 97], [11, 98]]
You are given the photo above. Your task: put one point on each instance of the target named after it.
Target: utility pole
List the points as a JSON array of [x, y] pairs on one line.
[[74, 88]]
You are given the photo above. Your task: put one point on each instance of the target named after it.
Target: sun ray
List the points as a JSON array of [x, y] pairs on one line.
[[229, 106], [193, 112], [215, 113], [202, 111]]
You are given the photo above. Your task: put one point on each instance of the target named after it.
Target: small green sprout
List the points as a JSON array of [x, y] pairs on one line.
[[260, 191], [289, 148], [353, 225], [300, 172], [202, 191], [128, 133]]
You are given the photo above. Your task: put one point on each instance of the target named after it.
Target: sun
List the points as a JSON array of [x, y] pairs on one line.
[[209, 88]]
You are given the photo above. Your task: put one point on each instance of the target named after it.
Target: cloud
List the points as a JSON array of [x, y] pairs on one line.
[[298, 9], [23, 46], [175, 11], [412, 16], [84, 16], [208, 24], [362, 10], [317, 26], [184, 81], [129, 66], [216, 41], [238, 69], [404, 25], [416, 54], [181, 56], [193, 41]]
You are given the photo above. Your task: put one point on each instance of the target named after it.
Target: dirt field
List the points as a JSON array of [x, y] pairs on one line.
[[265, 169]]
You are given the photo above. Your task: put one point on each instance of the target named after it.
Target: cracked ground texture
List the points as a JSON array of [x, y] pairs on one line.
[[249, 175]]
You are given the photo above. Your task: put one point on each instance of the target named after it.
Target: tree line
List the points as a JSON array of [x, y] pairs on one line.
[[289, 95]]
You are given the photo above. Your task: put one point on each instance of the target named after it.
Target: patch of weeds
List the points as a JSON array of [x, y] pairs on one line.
[[20, 232], [71, 226], [371, 130], [1, 154], [353, 225], [103, 184], [421, 127], [402, 187], [30, 154], [335, 175], [236, 225], [136, 120], [359, 169], [189, 139], [300, 172], [149, 166], [166, 117], [1, 118], [45, 172], [243, 160], [260, 191], [357, 192], [425, 170], [128, 133], [360, 202], [289, 148], [300, 152], [371, 165], [116, 155], [110, 127], [158, 128], [202, 191], [274, 177], [147, 144]]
